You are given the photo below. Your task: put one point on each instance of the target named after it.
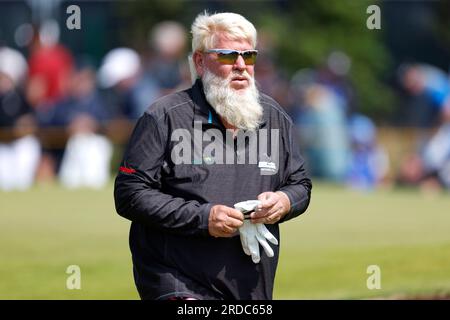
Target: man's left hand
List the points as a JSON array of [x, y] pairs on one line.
[[273, 207]]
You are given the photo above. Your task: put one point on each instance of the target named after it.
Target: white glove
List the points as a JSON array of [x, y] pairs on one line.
[[247, 206], [251, 234]]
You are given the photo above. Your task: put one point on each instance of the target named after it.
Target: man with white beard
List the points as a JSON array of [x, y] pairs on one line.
[[192, 228]]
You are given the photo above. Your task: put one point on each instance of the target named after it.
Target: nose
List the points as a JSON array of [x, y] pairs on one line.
[[239, 64]]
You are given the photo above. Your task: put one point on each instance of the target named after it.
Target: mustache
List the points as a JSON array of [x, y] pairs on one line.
[[243, 74]]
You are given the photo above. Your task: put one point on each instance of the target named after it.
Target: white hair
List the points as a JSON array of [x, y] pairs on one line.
[[206, 28]]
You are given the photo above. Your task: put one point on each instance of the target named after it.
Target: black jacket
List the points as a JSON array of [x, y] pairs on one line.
[[169, 204]]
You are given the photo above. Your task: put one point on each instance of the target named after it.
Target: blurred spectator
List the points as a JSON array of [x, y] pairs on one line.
[[50, 66], [168, 40], [428, 82], [132, 90], [436, 155], [19, 153], [430, 168], [323, 132], [82, 99], [87, 156], [369, 162], [334, 75]]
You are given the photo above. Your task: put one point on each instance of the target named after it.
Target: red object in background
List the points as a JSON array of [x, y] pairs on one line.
[[53, 66]]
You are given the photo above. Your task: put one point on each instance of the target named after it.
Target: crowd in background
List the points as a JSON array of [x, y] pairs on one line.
[[53, 89]]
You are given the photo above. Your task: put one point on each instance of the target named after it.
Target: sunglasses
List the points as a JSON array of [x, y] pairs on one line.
[[227, 56]]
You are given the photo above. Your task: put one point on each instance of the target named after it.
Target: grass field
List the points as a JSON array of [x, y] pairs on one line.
[[324, 254]]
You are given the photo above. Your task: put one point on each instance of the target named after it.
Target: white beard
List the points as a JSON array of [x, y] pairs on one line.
[[239, 108]]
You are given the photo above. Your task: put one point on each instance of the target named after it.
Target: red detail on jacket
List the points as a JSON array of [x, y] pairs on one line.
[[126, 170]]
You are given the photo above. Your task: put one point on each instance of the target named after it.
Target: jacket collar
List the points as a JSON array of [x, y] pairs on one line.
[[203, 111]]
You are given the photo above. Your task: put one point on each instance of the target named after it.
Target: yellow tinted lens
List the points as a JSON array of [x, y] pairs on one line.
[[227, 58], [249, 57]]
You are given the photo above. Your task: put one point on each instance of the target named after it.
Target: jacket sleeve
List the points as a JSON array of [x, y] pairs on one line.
[[297, 184], [137, 190]]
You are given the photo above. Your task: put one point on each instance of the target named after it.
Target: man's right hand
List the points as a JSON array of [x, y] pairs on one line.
[[224, 221]]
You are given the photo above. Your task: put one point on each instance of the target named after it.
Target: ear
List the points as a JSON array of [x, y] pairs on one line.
[[197, 57]]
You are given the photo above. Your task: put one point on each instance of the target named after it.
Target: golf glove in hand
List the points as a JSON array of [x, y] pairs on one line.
[[254, 234]]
